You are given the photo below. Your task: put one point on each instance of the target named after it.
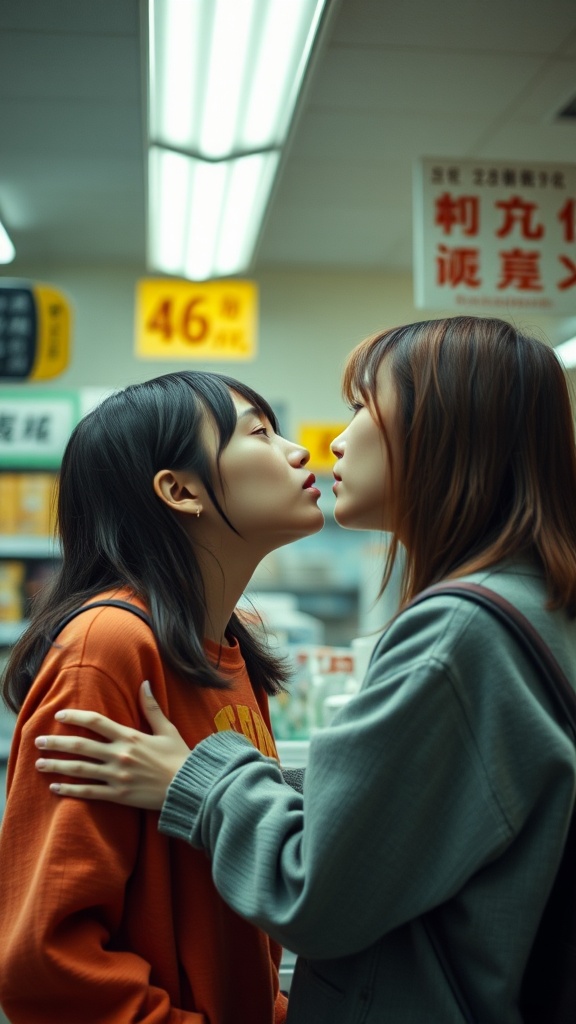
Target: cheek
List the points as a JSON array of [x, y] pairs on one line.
[[369, 462], [367, 479], [251, 494]]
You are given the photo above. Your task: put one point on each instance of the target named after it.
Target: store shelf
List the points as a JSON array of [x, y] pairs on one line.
[[22, 546], [293, 753]]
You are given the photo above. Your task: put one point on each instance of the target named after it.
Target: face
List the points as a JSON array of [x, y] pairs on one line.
[[363, 473], [268, 494]]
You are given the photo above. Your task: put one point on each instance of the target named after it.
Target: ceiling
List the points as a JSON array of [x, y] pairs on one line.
[[392, 82]]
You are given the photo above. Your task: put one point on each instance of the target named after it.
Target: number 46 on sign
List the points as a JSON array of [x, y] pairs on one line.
[[209, 321]]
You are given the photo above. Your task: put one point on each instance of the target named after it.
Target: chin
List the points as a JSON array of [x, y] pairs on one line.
[[315, 525], [344, 519], [348, 522], [344, 523], [319, 522], [291, 534]]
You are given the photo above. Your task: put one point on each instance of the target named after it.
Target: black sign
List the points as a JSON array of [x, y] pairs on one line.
[[18, 332]]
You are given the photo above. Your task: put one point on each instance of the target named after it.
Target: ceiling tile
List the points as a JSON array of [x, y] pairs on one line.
[[70, 128], [495, 26], [552, 88], [104, 17], [551, 143], [64, 66], [401, 81]]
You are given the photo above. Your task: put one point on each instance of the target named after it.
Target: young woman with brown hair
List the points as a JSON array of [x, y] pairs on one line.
[[435, 807]]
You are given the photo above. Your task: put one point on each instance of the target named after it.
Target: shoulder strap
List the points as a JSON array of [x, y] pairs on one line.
[[99, 604], [552, 675]]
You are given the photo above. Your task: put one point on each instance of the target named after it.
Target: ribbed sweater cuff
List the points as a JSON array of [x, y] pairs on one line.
[[180, 816]]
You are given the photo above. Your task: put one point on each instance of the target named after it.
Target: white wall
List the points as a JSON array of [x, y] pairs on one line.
[[309, 321]]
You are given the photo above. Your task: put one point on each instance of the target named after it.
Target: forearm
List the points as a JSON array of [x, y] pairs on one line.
[[300, 867], [223, 772]]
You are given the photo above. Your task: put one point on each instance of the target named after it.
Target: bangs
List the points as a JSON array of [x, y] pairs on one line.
[[360, 373], [257, 401], [361, 370], [225, 413], [213, 391]]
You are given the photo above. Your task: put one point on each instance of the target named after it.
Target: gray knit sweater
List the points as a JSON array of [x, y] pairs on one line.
[[441, 793]]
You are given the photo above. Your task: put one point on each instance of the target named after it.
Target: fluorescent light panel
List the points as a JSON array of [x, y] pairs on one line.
[[226, 73], [224, 80], [204, 216], [7, 250], [566, 353]]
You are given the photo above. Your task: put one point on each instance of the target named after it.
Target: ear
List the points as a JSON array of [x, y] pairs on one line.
[[179, 490]]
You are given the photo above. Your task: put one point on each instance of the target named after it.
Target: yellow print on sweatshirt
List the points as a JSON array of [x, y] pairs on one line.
[[245, 720]]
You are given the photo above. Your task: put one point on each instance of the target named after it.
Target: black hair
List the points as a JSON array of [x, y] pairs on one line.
[[115, 532]]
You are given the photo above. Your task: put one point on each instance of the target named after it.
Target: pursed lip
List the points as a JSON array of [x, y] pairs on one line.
[[337, 478], [309, 481]]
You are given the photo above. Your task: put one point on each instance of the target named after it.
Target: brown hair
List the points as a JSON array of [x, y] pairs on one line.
[[489, 460]]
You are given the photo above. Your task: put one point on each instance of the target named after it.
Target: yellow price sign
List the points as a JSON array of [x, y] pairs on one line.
[[317, 437], [183, 320]]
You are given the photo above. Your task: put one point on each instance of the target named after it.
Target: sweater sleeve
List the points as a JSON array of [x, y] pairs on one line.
[[399, 809], [65, 868]]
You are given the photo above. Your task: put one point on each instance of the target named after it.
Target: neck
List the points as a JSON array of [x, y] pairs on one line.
[[226, 575]]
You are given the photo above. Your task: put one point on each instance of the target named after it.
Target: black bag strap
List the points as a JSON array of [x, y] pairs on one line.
[[99, 604], [557, 686]]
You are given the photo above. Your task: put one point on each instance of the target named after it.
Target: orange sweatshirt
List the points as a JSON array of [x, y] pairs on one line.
[[103, 920]]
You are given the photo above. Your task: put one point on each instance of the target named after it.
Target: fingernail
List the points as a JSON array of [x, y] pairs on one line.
[[54, 787], [60, 715], [147, 688], [40, 763], [40, 741]]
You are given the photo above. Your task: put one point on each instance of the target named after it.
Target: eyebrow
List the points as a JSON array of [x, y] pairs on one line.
[[251, 411]]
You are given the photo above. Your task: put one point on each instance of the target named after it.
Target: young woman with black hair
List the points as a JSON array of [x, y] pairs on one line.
[[414, 868], [171, 492]]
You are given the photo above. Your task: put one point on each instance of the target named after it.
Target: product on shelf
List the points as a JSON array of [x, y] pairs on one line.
[[322, 681], [12, 573], [9, 489], [27, 503]]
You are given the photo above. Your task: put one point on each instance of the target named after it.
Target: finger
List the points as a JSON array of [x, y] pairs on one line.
[[78, 769], [155, 717], [74, 745], [83, 792], [93, 721]]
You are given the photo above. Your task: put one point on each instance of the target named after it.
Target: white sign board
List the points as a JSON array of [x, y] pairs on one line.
[[495, 234], [34, 429]]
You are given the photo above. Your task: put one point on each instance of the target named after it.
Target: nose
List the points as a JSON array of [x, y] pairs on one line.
[[337, 446], [298, 456]]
